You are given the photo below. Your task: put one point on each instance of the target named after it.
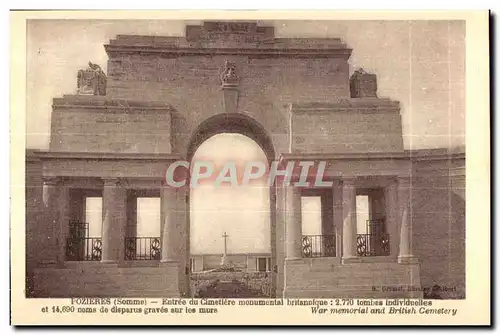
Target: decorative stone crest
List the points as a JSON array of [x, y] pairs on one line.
[[228, 77], [230, 80], [363, 84], [91, 81]]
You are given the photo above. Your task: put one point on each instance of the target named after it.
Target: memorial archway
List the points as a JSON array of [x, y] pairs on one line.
[[249, 131], [232, 123]]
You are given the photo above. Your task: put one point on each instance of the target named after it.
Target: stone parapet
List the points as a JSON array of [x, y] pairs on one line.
[[235, 38], [89, 280], [327, 278]]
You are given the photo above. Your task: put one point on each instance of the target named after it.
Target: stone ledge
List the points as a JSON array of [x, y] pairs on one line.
[[114, 50], [314, 261], [350, 260], [89, 264], [140, 264], [46, 155], [352, 105], [436, 154], [267, 43], [345, 156], [376, 259], [103, 102], [408, 260], [410, 155]]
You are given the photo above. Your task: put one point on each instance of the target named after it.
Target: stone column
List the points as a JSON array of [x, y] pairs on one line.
[[338, 214], [49, 234], [56, 199], [327, 226], [114, 221], [274, 250], [34, 220], [293, 221], [349, 227], [405, 243], [63, 203], [392, 210], [170, 233], [280, 240], [182, 221], [131, 214]]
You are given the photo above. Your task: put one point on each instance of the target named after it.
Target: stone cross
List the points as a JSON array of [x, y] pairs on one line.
[[224, 256], [225, 236]]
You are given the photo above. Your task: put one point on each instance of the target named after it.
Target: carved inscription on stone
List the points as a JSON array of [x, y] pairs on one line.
[[230, 27]]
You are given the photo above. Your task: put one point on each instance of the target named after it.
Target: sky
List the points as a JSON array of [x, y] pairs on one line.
[[242, 212], [419, 63]]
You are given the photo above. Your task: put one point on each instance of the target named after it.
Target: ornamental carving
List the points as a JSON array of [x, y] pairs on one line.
[[91, 81], [363, 84], [229, 76]]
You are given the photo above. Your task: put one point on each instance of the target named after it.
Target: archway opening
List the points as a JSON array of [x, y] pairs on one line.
[[232, 227], [242, 212]]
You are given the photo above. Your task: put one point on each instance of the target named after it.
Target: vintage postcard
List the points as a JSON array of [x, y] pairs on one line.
[[250, 168]]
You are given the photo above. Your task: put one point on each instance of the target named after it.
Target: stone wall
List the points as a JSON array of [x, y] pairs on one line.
[[98, 124], [327, 278], [347, 126], [37, 233], [108, 165], [438, 214], [192, 86], [186, 72], [100, 280]]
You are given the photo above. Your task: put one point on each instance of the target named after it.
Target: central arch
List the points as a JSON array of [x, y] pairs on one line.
[[232, 123], [237, 123]]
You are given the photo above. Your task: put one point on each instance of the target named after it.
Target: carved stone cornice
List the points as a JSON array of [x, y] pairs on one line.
[[115, 50], [99, 103], [439, 154], [352, 105], [105, 156]]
